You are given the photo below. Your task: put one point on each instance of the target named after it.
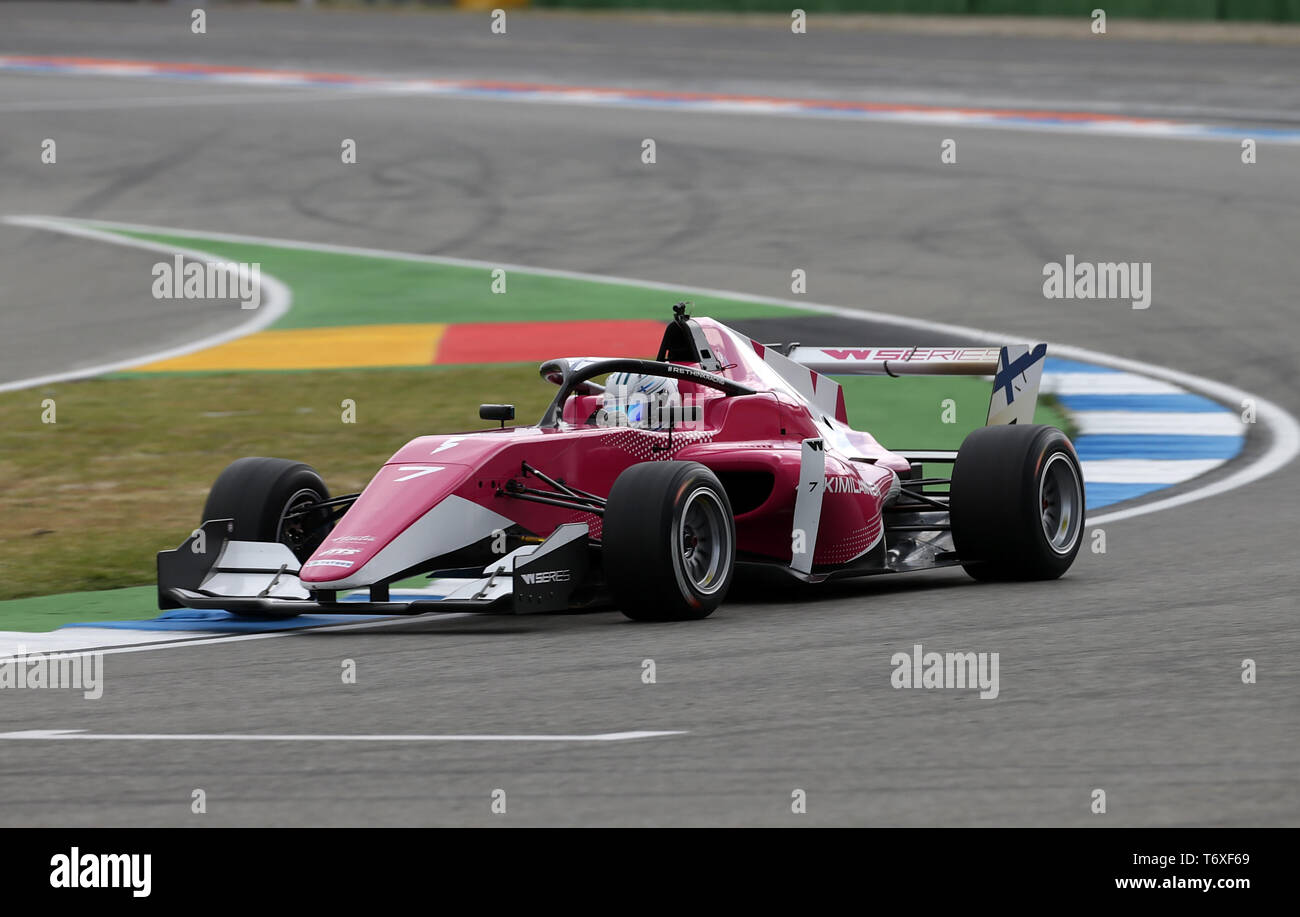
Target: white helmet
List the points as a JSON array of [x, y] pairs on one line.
[[638, 400]]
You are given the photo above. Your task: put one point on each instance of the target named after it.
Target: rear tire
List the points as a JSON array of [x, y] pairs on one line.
[[668, 542], [1017, 503], [257, 492]]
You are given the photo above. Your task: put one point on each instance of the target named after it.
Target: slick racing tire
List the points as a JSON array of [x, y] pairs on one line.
[[1016, 503], [668, 542], [258, 494]]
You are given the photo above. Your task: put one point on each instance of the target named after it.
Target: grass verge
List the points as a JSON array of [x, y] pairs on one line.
[[43, 613], [86, 502]]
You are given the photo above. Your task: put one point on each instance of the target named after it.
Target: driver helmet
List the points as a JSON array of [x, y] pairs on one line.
[[638, 400]]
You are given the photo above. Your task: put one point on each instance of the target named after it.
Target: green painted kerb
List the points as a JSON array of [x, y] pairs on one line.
[[332, 290]]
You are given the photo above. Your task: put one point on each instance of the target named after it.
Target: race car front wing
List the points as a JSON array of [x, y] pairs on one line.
[[210, 570]]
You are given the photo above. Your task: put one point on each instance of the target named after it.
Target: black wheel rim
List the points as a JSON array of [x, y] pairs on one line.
[[302, 532]]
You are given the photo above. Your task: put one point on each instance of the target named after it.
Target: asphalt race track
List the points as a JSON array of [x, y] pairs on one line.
[[1125, 675]]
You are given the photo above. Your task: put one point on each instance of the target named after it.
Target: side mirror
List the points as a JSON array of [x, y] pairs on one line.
[[501, 412]]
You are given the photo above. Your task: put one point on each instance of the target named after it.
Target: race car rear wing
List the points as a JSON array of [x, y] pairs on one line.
[[1016, 369]]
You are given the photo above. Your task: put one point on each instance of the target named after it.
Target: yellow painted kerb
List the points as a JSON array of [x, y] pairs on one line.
[[314, 348]]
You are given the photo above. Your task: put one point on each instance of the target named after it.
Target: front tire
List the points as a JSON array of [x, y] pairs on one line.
[[668, 542], [258, 493], [1017, 503]]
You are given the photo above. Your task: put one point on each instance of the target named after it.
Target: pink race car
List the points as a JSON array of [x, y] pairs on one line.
[[653, 490]]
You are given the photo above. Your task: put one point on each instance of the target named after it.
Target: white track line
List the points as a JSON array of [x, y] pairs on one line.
[[1146, 471], [1199, 423], [1116, 383], [275, 302], [1283, 428], [19, 645], [63, 735]]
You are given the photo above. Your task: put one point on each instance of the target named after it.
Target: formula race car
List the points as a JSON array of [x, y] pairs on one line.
[[651, 491]]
